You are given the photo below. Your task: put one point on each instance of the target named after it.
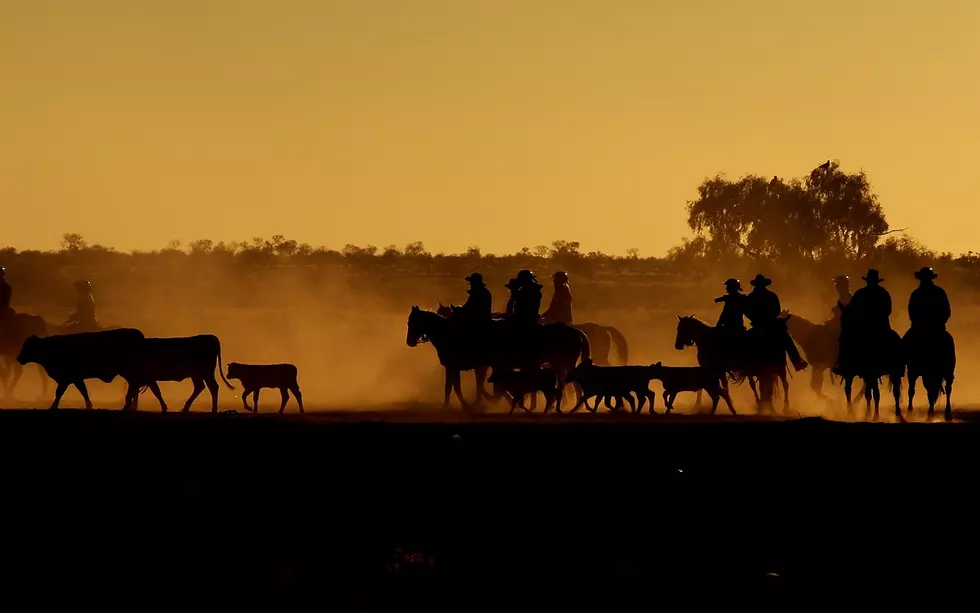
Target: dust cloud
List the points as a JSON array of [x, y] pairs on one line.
[[346, 333]]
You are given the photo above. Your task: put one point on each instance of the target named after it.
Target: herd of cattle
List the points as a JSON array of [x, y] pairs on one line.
[[142, 362]]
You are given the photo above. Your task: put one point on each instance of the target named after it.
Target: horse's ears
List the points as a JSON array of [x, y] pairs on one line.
[[415, 308], [679, 318]]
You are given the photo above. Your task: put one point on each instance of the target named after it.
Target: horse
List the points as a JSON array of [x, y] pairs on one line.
[[601, 338], [931, 356], [819, 343], [870, 361], [16, 330], [22, 326], [744, 360], [500, 346]]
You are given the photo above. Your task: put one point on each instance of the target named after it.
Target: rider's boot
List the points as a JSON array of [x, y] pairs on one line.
[[794, 354]]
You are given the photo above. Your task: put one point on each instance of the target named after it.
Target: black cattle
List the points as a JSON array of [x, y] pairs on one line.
[[176, 359], [70, 359], [254, 377]]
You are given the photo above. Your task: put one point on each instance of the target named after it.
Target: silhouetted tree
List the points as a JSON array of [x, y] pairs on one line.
[[828, 212], [72, 242]]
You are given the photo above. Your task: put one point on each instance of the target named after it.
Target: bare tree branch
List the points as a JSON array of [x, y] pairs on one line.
[[893, 231]]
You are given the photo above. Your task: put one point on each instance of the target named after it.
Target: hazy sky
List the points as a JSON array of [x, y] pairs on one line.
[[498, 123]]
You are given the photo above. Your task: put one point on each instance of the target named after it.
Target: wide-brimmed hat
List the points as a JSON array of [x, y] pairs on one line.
[[512, 284], [926, 272], [761, 280], [475, 278], [733, 282], [873, 276]]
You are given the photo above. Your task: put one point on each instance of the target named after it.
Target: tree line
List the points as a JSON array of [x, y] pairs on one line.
[[794, 230]]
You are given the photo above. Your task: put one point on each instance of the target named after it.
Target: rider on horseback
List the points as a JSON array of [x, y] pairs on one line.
[[867, 315], [513, 286], [560, 309], [478, 308], [929, 309], [84, 315], [5, 293], [732, 314], [527, 298], [762, 309]]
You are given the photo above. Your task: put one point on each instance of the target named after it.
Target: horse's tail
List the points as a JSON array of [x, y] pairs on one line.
[[620, 341], [586, 348]]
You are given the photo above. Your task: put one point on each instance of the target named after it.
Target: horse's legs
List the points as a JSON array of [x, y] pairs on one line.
[[816, 381], [948, 415], [714, 402], [785, 381], [481, 392], [457, 387], [728, 399], [912, 377], [449, 387], [897, 394]]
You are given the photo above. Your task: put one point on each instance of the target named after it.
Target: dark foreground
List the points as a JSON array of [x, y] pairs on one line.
[[348, 512]]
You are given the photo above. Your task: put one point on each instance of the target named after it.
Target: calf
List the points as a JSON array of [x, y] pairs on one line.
[[517, 383], [608, 382], [254, 377], [176, 359], [691, 379], [70, 359]]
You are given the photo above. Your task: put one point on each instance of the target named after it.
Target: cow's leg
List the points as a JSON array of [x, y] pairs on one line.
[[285, 399], [245, 400], [155, 389], [212, 384], [58, 393], [255, 399], [667, 403], [83, 390], [198, 388]]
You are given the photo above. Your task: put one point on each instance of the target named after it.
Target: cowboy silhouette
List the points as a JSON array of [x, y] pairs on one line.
[[84, 315], [762, 309], [478, 308], [560, 309], [929, 309], [513, 286], [5, 293], [527, 300], [732, 314], [871, 306]]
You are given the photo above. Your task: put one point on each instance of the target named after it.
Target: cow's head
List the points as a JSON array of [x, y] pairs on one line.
[[30, 351], [234, 370]]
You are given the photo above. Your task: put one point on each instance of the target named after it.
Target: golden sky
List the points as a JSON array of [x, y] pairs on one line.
[[498, 123]]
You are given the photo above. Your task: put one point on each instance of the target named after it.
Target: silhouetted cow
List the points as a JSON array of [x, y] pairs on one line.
[[176, 359], [254, 377], [69, 359]]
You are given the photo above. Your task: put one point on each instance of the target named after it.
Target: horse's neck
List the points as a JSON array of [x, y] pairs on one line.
[[700, 329]]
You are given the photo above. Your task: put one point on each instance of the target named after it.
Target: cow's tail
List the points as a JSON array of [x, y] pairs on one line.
[[221, 369], [620, 342]]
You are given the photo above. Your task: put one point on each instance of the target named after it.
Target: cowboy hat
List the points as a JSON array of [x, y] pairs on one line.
[[733, 282], [761, 279], [926, 272], [873, 276], [475, 278], [512, 284]]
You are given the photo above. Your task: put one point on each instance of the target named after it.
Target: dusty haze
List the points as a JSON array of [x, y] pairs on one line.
[[345, 329]]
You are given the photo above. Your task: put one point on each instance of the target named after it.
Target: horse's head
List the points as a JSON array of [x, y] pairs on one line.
[[446, 310], [686, 332], [421, 325]]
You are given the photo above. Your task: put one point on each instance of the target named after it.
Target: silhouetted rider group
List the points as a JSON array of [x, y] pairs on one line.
[[83, 319], [523, 305], [761, 307], [865, 328]]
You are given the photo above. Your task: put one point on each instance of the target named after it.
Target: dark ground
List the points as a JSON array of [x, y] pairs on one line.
[[231, 512]]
